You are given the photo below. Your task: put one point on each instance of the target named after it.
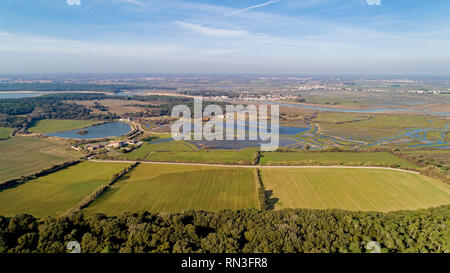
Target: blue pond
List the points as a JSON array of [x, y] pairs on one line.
[[247, 126], [111, 129], [237, 144], [162, 140], [283, 130]]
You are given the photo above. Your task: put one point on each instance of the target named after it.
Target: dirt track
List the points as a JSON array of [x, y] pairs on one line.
[[256, 166]]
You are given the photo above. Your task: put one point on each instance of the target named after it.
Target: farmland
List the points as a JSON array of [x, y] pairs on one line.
[[58, 192], [4, 132], [333, 158], [353, 189], [24, 156], [142, 152], [119, 107], [170, 188], [55, 125], [243, 157]]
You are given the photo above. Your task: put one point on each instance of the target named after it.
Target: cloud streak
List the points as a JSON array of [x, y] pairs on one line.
[[374, 2], [209, 31], [73, 2], [27, 43], [253, 7], [136, 2]]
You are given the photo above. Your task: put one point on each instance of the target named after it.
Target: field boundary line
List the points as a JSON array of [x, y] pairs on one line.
[[100, 190], [255, 166]]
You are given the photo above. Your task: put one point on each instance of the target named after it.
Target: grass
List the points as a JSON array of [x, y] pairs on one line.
[[58, 192], [57, 125], [4, 132], [24, 156], [333, 158], [146, 148], [242, 157], [353, 189], [379, 126], [119, 107], [171, 188]]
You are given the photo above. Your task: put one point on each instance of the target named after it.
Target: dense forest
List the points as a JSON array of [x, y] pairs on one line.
[[52, 106], [248, 231], [20, 113], [165, 106]]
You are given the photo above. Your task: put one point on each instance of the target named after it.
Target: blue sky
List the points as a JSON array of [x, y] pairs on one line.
[[248, 36]]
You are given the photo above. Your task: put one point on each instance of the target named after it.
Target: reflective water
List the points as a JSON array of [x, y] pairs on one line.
[[236, 144], [110, 129]]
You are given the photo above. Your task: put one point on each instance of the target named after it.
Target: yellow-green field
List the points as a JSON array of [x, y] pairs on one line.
[[241, 157], [58, 125], [58, 192], [333, 158], [353, 189], [142, 152], [24, 156], [4, 132], [172, 188]]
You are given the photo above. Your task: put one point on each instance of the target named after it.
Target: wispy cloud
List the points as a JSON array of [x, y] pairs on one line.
[[374, 2], [136, 2], [218, 32], [28, 43], [253, 7], [74, 2]]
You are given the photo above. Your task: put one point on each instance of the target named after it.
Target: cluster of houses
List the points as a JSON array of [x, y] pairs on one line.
[[111, 145], [256, 97]]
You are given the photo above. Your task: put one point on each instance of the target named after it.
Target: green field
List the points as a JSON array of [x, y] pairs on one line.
[[242, 157], [58, 192], [378, 126], [57, 125], [332, 158], [142, 152], [24, 156], [4, 132], [172, 188], [353, 189]]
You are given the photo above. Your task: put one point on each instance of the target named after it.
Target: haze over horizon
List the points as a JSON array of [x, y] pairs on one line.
[[204, 36]]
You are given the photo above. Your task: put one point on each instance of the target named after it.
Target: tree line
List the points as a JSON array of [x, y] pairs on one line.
[[100, 190], [21, 112], [23, 179], [243, 231]]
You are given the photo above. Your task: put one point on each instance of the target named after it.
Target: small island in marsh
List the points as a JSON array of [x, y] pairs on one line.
[[83, 132]]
